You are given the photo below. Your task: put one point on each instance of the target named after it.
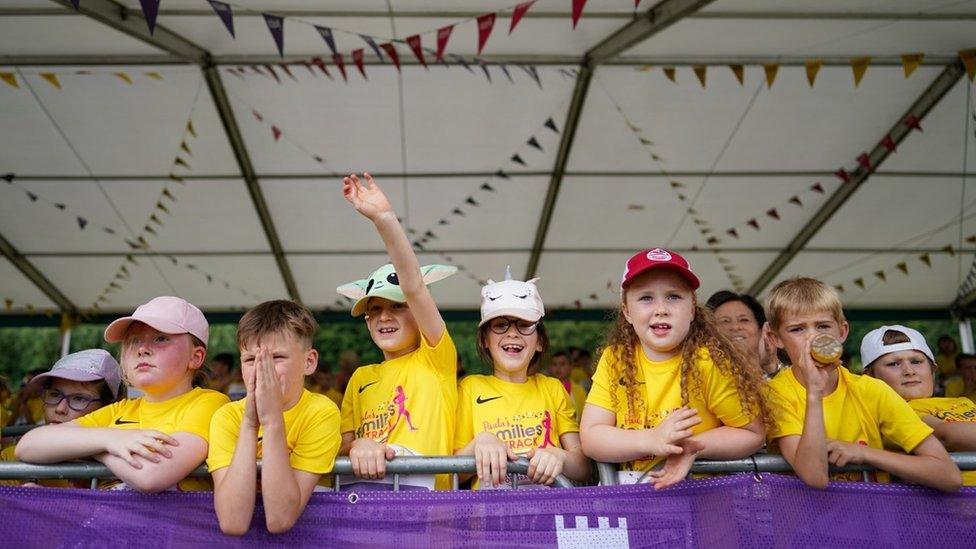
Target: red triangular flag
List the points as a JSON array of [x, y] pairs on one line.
[[337, 59], [796, 200], [486, 23], [518, 12], [817, 188], [285, 68], [864, 161], [273, 73], [390, 50], [913, 123], [889, 144], [772, 213], [414, 43], [843, 175], [257, 115], [753, 223], [357, 58], [443, 35], [733, 232], [321, 65], [276, 132], [577, 10]]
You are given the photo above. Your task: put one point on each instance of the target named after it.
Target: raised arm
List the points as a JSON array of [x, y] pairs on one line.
[[371, 202]]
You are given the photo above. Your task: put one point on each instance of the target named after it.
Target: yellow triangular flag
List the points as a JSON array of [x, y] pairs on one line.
[[185, 148], [771, 70], [859, 282], [700, 73], [910, 62], [154, 75], [669, 72], [123, 77], [949, 250], [189, 128], [881, 275], [903, 267], [9, 78], [813, 67], [646, 68], [968, 58], [52, 79], [860, 66], [740, 73]]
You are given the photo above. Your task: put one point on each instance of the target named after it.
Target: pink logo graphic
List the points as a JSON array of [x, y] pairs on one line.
[[401, 401], [547, 425]]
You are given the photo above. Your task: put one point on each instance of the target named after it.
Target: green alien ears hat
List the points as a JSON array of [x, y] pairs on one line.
[[384, 283]]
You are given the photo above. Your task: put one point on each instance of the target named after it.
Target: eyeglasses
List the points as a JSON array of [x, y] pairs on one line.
[[500, 326], [76, 401]]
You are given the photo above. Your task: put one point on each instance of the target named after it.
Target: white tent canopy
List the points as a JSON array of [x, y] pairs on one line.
[[739, 178]]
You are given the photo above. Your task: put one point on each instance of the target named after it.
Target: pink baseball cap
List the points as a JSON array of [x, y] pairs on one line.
[[87, 365], [658, 258], [168, 314]]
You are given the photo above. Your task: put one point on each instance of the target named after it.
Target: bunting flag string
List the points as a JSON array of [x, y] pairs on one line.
[[384, 47], [859, 66], [55, 78], [702, 225]]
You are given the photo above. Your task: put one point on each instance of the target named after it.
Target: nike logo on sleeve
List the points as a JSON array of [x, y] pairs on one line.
[[482, 400], [121, 421]]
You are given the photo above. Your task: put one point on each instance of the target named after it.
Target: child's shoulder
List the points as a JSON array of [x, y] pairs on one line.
[[209, 396], [317, 403], [474, 380]]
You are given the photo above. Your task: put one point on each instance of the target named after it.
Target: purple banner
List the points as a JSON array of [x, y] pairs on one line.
[[277, 27], [225, 13], [734, 511]]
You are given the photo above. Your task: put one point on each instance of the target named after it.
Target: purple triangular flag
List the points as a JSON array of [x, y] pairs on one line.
[[32, 196], [150, 8], [463, 63], [75, 4], [551, 125], [531, 70], [484, 67], [223, 11], [372, 44], [82, 222], [518, 159], [277, 27], [8, 177], [507, 75], [533, 142], [326, 33]]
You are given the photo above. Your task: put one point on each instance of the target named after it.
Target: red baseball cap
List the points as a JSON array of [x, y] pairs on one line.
[[658, 258]]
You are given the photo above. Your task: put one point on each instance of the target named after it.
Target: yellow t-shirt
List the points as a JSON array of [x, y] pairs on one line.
[[409, 401], [715, 396], [534, 414], [579, 376], [946, 364], [189, 412], [948, 410], [36, 408], [862, 410], [311, 434]]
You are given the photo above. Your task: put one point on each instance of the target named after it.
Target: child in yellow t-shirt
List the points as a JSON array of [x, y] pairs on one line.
[[406, 404], [560, 368], [77, 384], [668, 387], [293, 431], [826, 415], [900, 357], [512, 412], [153, 442]]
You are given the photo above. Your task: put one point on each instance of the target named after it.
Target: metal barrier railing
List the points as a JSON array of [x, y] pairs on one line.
[[405, 465]]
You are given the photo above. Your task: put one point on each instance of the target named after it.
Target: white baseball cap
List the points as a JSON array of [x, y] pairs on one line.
[[511, 298], [873, 347]]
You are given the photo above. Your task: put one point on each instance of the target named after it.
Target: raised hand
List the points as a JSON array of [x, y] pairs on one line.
[[249, 373], [665, 438], [816, 379], [676, 466], [368, 199], [491, 457], [148, 444]]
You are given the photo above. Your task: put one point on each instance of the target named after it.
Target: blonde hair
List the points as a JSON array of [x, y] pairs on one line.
[[623, 344], [800, 295], [277, 316]]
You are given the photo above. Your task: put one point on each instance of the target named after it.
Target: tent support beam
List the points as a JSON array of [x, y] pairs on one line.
[[664, 14], [36, 277], [920, 108], [131, 23]]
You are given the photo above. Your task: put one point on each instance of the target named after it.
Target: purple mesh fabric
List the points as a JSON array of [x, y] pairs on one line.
[[734, 511]]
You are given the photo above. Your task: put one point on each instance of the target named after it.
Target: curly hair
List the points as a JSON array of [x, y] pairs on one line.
[[622, 342]]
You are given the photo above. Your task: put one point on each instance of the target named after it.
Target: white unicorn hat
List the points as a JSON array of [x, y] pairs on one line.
[[511, 298]]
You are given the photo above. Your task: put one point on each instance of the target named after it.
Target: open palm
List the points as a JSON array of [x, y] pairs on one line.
[[368, 199]]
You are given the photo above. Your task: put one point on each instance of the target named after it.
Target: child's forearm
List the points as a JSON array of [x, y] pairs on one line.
[[934, 472], [279, 490], [810, 459], [577, 465], [158, 476], [234, 494], [731, 442], [613, 444], [956, 436], [56, 443], [401, 254]]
